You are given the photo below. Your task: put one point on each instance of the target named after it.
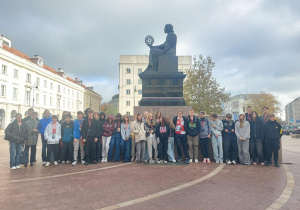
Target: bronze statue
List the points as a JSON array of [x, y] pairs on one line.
[[167, 48]]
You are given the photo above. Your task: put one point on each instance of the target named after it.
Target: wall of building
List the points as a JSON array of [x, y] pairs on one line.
[[292, 112]]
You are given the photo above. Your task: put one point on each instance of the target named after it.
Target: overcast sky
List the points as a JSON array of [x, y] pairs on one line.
[[86, 38]]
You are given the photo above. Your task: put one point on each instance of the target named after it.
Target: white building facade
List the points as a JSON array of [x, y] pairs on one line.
[[27, 82], [130, 85], [236, 105]]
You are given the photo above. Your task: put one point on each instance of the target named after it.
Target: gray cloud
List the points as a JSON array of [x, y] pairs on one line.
[[87, 37]]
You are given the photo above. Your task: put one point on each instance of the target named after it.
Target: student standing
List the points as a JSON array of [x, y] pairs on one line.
[[140, 137], [90, 135], [205, 131], [42, 126], [67, 140], [170, 152], [108, 128], [163, 133], [248, 115], [126, 137], [100, 120], [15, 133], [132, 141], [229, 140], [256, 136], [53, 135], [116, 139], [32, 138], [216, 139], [180, 136], [77, 142], [273, 133], [242, 131], [150, 128], [192, 128]]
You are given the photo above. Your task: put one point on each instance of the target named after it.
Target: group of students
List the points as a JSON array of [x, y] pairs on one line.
[[148, 138]]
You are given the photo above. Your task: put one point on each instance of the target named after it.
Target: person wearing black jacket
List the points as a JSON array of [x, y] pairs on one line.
[[229, 140], [273, 133], [100, 123], [192, 127], [15, 133], [163, 133], [248, 115], [180, 136], [256, 139], [90, 134]]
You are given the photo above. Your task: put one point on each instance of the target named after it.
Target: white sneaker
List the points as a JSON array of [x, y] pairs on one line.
[[165, 161], [228, 162], [217, 161], [151, 161], [191, 160], [56, 163], [174, 161], [82, 161], [74, 163], [44, 162], [233, 162], [47, 164], [158, 161], [62, 162], [13, 168], [68, 161], [220, 161], [17, 167], [106, 160], [196, 160]]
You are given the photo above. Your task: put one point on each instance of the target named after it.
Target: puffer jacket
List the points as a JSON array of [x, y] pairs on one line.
[[15, 133]]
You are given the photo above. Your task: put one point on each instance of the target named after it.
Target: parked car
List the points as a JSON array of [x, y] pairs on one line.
[[289, 129]]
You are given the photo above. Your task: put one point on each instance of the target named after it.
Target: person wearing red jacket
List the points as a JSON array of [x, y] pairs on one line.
[[108, 129]]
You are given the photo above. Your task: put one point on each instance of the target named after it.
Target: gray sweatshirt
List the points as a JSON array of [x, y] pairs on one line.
[[244, 131], [205, 127], [218, 129]]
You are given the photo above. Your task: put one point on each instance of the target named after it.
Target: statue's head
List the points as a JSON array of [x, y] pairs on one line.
[[168, 28]]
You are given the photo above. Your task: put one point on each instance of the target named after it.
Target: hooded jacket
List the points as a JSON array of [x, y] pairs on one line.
[[77, 128], [67, 132], [150, 126], [229, 125], [108, 128], [273, 130], [192, 129], [244, 131], [205, 127], [43, 124], [163, 131], [53, 138], [217, 130], [15, 133]]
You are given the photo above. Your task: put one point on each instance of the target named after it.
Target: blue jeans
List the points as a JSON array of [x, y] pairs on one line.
[[171, 149], [44, 148], [115, 140], [127, 149], [217, 147], [15, 153]]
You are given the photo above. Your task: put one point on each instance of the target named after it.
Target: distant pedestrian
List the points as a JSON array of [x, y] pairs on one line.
[[163, 133], [229, 140], [273, 133], [216, 138], [53, 135], [15, 133], [32, 138], [242, 131], [140, 137], [256, 137], [205, 134]]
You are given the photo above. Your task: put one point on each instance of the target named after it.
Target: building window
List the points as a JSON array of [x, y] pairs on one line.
[[128, 113], [140, 71], [128, 71], [28, 77], [140, 92], [50, 101], [127, 103], [4, 69], [68, 91], [37, 98], [45, 100], [51, 86], [3, 91], [15, 93], [27, 98], [127, 92], [45, 84], [58, 88], [77, 95], [16, 73], [128, 81], [64, 90], [139, 81]]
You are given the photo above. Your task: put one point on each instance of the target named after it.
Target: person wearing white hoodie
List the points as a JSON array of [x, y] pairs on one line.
[[242, 131], [53, 135]]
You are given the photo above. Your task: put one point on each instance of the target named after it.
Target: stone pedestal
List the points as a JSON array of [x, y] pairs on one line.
[[163, 87]]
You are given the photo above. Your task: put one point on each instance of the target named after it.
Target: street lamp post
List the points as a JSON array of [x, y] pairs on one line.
[[33, 88]]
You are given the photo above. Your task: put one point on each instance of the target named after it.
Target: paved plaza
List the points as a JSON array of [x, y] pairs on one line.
[[138, 186]]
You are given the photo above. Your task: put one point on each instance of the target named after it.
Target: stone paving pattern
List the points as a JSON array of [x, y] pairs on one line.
[[234, 187]]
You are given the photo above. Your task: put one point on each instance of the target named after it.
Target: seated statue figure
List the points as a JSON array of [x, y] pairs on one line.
[[167, 48]]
